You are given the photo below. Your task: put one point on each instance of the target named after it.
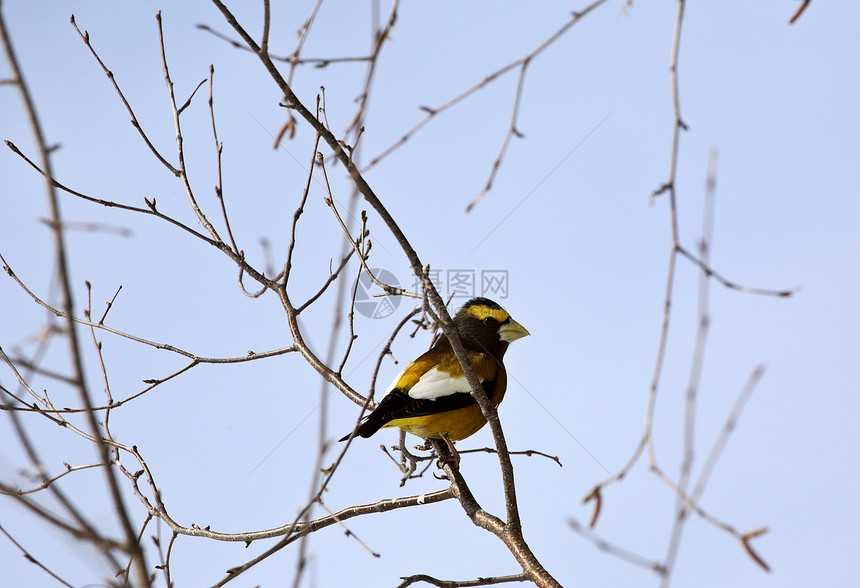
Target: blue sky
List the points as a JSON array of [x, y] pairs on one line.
[[570, 221]]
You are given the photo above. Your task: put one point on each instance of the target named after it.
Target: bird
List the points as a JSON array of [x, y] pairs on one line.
[[431, 397]]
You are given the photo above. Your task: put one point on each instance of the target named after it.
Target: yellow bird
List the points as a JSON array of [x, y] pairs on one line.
[[431, 397]]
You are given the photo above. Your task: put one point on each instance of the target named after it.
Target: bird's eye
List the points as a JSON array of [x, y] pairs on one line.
[[491, 322]]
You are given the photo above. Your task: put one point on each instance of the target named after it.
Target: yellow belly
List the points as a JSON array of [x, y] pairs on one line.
[[457, 424]]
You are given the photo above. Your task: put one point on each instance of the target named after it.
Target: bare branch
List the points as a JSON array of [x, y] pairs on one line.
[[296, 531], [685, 501], [512, 131], [318, 62], [527, 453], [615, 550], [219, 148], [409, 580], [510, 532], [29, 557], [288, 263], [165, 346], [380, 36], [799, 11], [522, 64], [85, 36], [180, 149], [356, 243], [47, 482], [120, 513], [734, 285], [151, 204]]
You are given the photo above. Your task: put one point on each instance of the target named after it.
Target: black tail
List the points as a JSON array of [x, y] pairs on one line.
[[393, 405], [370, 426]]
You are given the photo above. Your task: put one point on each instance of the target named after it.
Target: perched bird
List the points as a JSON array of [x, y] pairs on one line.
[[431, 397]]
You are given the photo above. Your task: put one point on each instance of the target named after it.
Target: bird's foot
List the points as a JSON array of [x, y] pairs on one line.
[[454, 458]]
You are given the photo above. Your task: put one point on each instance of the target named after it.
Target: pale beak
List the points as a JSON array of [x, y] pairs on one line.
[[512, 331]]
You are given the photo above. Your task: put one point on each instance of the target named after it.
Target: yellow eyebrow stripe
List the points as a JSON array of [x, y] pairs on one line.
[[482, 312]]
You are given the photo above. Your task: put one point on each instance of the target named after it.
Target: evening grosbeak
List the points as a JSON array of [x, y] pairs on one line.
[[431, 397]]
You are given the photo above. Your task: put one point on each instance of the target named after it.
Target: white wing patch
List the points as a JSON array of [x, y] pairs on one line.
[[434, 384], [397, 379]]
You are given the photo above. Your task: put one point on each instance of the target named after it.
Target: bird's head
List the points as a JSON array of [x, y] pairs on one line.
[[485, 324]]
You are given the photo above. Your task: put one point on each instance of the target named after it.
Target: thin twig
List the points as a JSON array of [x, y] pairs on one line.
[[369, 403], [696, 366], [288, 263], [619, 552], [297, 531], [380, 36], [709, 272], [319, 62], [316, 487], [356, 245], [165, 346], [526, 452], [646, 442], [409, 580], [522, 64], [511, 133], [85, 36], [32, 559], [799, 11], [84, 531], [219, 149], [150, 209], [47, 482], [511, 531], [180, 143], [121, 514]]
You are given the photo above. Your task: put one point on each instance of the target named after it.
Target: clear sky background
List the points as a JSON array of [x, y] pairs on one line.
[[569, 219]]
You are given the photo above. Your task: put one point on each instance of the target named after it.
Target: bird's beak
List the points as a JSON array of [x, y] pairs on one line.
[[512, 331]]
